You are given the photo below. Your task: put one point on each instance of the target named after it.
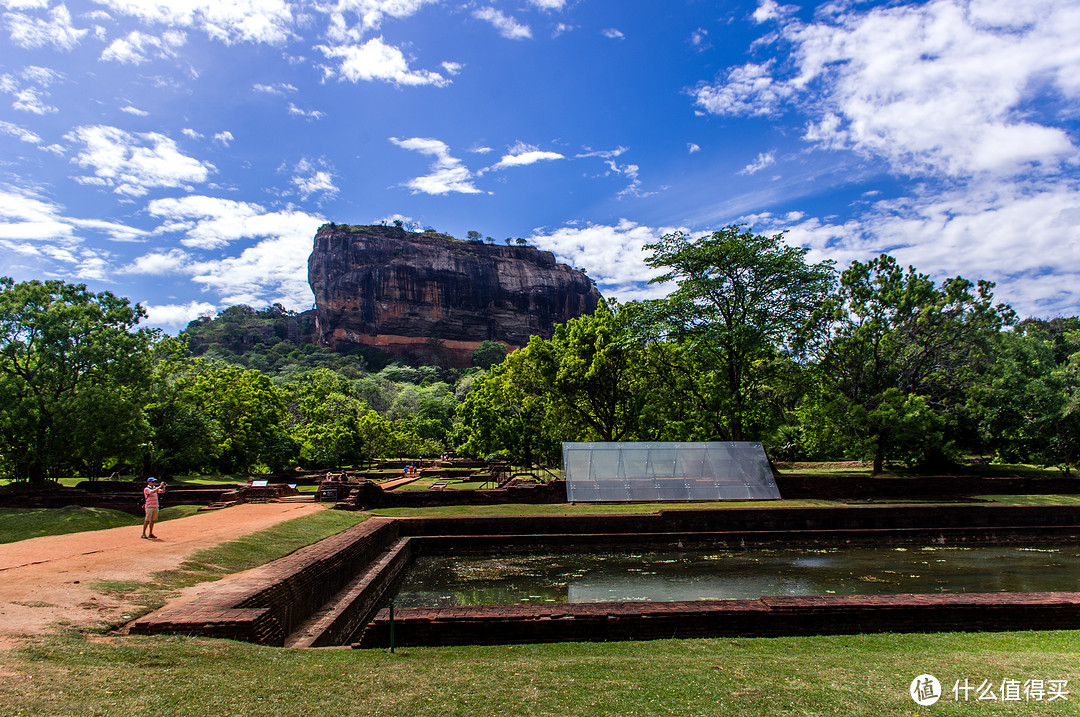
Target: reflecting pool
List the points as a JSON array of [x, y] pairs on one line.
[[658, 576]]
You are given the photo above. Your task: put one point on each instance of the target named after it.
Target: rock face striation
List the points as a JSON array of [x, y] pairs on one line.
[[405, 292]]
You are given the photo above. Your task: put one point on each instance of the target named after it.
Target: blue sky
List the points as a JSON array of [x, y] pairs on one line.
[[183, 152]]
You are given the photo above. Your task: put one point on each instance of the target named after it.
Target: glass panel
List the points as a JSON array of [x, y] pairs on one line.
[[619, 472]]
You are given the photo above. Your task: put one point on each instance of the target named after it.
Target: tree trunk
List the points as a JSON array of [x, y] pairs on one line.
[[879, 457]]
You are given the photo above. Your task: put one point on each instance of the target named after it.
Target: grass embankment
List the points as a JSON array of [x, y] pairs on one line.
[[23, 523], [830, 675], [544, 509], [241, 554]]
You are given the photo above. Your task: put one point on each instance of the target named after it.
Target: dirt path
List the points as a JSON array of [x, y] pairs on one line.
[[48, 583]]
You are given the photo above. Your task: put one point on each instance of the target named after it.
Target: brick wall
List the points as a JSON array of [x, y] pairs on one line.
[[325, 592]]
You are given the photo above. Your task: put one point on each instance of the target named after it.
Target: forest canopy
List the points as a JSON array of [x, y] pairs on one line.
[[875, 362]]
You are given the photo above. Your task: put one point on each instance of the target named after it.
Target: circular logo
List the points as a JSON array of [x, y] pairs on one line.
[[925, 690]]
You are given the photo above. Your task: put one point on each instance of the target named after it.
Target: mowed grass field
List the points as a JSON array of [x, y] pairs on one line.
[[75, 673]]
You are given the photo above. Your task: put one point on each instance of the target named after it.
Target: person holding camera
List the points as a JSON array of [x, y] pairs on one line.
[[151, 504]]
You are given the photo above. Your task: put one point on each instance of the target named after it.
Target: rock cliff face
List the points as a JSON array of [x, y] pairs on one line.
[[405, 292]]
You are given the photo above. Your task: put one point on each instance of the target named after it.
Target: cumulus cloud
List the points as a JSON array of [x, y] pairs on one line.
[[228, 21], [691, 147], [224, 138], [549, 4], [134, 111], [314, 177], [942, 88], [158, 263], [1023, 235], [29, 88], [54, 29], [448, 174], [376, 60], [763, 160], [176, 316], [273, 269], [612, 34], [368, 14], [613, 256], [133, 163], [521, 155], [307, 114], [211, 222], [138, 47], [507, 26]]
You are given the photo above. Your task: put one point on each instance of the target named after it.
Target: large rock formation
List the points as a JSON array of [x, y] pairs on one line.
[[404, 292]]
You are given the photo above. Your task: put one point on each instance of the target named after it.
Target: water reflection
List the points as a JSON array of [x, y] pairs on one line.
[[746, 574]]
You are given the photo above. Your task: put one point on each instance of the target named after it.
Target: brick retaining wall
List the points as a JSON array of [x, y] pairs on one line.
[[322, 594], [765, 617], [267, 603]]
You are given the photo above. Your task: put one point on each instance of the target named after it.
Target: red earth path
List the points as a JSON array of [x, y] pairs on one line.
[[51, 583]]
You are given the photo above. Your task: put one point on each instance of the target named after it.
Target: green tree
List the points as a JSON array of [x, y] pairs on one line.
[[898, 335], [326, 414], [248, 410], [73, 368], [592, 373], [740, 299], [1027, 404]]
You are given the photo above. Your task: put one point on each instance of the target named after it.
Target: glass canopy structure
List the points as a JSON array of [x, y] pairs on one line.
[[622, 472]]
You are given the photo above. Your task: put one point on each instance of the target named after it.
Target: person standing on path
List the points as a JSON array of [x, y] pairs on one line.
[[151, 505]]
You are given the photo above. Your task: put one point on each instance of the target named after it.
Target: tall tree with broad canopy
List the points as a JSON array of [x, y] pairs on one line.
[[592, 372], [741, 298], [73, 367], [903, 348]]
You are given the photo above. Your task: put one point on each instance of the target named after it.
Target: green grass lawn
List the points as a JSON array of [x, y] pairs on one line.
[[22, 523], [857, 676]]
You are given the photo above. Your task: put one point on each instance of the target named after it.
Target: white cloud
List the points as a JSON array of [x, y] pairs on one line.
[[309, 114], [1022, 235], [56, 30], [224, 138], [158, 262], [549, 4], [612, 255], [613, 34], [30, 97], [176, 316], [948, 88], [39, 230], [212, 222], [138, 47], [691, 147], [188, 132], [20, 133], [279, 88], [763, 160], [771, 10], [229, 21], [507, 26], [524, 154], [273, 270], [447, 175], [133, 163], [314, 177], [375, 60], [135, 111], [452, 68], [369, 15]]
